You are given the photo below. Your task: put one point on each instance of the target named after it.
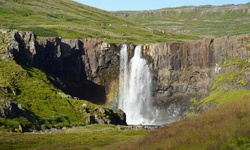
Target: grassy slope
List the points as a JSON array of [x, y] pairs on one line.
[[226, 127], [89, 137], [200, 21], [70, 19], [36, 94]]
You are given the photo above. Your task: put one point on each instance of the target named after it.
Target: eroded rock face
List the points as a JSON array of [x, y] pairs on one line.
[[187, 70], [102, 61], [182, 70], [26, 44], [84, 68], [62, 58]]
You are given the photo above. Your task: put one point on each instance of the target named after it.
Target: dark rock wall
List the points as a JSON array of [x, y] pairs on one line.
[[83, 68], [186, 70], [89, 68]]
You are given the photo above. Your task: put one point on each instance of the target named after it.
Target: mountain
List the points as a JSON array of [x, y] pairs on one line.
[[69, 19], [202, 21]]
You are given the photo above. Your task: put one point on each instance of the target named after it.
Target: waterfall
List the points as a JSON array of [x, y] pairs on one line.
[[135, 88], [123, 77]]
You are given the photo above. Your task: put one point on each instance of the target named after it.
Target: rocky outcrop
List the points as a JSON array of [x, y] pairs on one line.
[[10, 109], [23, 43], [24, 119], [103, 116]]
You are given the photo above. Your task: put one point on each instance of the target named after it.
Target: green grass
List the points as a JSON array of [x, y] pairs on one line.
[[237, 76], [226, 127], [87, 137], [72, 20], [222, 96], [197, 21], [36, 94]]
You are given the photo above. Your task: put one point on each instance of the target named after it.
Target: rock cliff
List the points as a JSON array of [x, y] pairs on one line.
[[89, 68], [83, 68], [187, 70]]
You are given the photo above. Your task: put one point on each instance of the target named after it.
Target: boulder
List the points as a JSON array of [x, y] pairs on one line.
[[105, 116]]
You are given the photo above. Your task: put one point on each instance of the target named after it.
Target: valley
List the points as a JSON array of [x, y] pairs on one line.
[[90, 73]]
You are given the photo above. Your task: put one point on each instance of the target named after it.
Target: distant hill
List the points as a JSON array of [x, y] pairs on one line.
[[70, 19], [203, 21]]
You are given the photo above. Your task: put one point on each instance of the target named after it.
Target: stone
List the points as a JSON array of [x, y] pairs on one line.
[[101, 110], [91, 120], [119, 118], [100, 120], [13, 48], [11, 109], [20, 128]]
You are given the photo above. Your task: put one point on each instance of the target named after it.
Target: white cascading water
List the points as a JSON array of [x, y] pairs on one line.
[[123, 77], [135, 88]]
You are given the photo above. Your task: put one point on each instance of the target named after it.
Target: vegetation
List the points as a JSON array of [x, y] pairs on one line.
[[88, 137], [69, 19], [236, 78], [202, 21], [226, 127]]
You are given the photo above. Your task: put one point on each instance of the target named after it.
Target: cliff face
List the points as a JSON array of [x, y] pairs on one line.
[[89, 68], [83, 68], [187, 70]]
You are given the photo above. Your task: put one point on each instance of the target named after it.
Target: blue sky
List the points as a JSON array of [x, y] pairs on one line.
[[112, 5]]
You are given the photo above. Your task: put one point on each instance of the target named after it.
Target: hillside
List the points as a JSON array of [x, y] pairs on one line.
[[69, 19], [202, 21], [227, 127]]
